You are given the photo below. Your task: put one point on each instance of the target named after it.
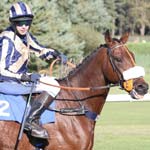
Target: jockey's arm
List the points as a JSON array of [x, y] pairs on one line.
[[6, 54], [41, 51], [45, 53]]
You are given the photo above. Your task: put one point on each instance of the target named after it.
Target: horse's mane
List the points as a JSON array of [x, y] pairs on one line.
[[87, 58]]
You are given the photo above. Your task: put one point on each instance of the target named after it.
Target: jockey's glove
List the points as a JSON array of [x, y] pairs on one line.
[[34, 77], [25, 78], [63, 58]]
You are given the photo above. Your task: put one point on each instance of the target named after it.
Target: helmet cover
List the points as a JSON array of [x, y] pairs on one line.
[[20, 11]]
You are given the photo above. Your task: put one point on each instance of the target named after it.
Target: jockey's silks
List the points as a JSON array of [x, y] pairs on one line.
[[15, 52]]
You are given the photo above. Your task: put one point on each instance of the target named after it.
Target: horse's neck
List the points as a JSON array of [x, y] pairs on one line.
[[89, 74]]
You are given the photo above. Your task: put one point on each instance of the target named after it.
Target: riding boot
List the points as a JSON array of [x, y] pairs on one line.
[[32, 125]]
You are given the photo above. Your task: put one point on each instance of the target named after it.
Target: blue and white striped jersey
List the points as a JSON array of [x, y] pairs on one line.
[[15, 52]]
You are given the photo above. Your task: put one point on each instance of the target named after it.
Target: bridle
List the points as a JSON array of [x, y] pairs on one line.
[[122, 82]]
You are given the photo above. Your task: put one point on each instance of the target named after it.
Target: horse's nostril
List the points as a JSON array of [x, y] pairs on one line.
[[142, 88]]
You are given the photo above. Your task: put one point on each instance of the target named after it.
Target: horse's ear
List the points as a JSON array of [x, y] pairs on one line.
[[108, 38], [124, 38]]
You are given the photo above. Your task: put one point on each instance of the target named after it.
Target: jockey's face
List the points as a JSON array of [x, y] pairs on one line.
[[23, 26], [22, 30]]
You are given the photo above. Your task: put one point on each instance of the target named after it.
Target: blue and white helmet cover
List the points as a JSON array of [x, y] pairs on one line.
[[20, 10]]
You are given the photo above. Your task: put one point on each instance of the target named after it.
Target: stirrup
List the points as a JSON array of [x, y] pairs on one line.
[[43, 135]]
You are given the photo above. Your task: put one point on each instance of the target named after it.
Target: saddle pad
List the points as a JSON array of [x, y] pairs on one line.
[[12, 108]]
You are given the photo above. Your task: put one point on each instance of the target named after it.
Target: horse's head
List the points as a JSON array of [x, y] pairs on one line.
[[123, 68]]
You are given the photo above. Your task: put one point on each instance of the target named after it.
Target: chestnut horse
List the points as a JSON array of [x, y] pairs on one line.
[[77, 110]]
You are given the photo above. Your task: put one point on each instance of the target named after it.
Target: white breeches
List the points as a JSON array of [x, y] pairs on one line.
[[14, 88]]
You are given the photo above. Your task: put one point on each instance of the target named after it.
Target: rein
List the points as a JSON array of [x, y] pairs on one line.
[[81, 88], [75, 88], [57, 59]]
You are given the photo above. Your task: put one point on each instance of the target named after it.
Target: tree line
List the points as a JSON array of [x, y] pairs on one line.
[[76, 27]]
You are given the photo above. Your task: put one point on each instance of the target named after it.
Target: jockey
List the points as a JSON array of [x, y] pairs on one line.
[[16, 44]]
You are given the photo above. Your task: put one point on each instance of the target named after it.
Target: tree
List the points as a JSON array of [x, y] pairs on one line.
[[111, 9], [121, 19], [133, 14], [88, 12], [4, 14], [140, 12], [87, 19]]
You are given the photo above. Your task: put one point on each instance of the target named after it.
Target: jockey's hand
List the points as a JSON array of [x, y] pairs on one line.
[[25, 78], [34, 77], [63, 58]]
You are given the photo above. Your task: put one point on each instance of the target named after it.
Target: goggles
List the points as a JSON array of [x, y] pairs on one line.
[[24, 22]]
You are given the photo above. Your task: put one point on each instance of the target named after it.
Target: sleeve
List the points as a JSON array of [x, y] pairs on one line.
[[41, 51], [6, 54]]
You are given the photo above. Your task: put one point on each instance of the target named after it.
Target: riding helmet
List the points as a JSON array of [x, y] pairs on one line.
[[20, 11]]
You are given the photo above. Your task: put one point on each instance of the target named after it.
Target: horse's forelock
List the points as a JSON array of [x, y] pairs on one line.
[[117, 40]]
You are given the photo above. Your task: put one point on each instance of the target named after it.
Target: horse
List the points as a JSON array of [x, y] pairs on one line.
[[82, 97]]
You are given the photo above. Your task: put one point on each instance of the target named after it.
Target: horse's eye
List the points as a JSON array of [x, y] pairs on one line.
[[118, 59]]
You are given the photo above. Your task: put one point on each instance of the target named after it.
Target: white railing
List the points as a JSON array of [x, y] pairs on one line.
[[125, 97]]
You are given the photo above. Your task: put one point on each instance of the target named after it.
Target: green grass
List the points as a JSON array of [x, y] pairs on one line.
[[123, 126], [142, 54]]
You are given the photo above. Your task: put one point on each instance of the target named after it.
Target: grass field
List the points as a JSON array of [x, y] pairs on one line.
[[123, 126]]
